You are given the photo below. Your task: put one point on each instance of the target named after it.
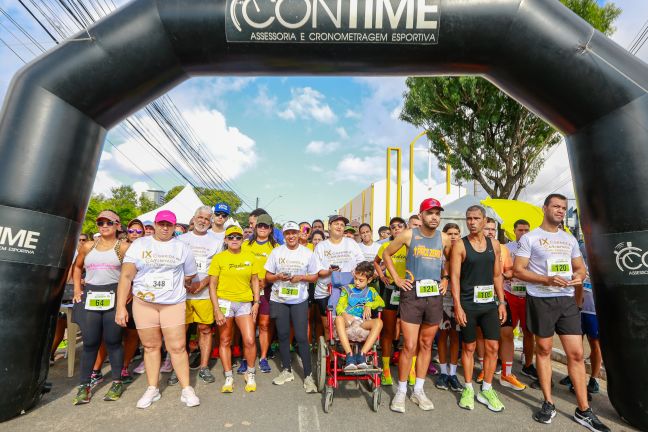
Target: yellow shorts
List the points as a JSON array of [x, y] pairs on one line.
[[200, 311]]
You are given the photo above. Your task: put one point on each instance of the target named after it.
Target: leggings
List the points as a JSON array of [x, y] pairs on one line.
[[94, 326], [283, 314]]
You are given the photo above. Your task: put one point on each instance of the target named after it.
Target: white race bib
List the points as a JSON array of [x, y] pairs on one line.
[[427, 288], [99, 301], [159, 283], [559, 267], [484, 294], [202, 264], [225, 307], [289, 291], [395, 297], [518, 288]]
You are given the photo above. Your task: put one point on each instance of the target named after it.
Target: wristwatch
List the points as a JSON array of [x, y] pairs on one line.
[[257, 302], [500, 302], [446, 277]]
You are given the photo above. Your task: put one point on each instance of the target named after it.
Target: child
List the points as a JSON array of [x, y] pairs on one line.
[[354, 315]]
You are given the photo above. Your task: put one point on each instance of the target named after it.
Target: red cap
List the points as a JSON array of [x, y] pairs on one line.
[[430, 203], [165, 216]]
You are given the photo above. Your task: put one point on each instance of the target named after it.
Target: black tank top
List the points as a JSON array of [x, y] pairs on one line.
[[477, 269]]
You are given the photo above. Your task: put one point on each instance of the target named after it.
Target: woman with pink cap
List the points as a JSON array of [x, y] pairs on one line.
[[160, 267], [94, 308]]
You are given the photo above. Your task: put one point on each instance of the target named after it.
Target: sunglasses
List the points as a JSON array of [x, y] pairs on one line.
[[220, 214], [234, 237], [263, 226], [133, 231], [306, 230], [105, 223], [399, 225]]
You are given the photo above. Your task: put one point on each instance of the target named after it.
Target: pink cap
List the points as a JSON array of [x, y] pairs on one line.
[[165, 216], [109, 215]]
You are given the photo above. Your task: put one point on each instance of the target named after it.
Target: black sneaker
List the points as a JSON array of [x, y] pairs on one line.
[[454, 384], [194, 360], [350, 364], [546, 413], [589, 395], [588, 419], [593, 386], [565, 381], [530, 371]]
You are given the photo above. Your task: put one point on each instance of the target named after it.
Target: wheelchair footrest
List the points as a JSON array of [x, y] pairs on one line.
[[368, 371]]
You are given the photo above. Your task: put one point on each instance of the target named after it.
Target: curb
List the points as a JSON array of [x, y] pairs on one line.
[[559, 355]]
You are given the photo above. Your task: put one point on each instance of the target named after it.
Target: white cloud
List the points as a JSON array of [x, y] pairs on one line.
[[321, 147], [351, 114], [104, 182], [359, 169], [140, 187], [342, 133], [263, 101], [316, 168], [554, 177], [307, 103]]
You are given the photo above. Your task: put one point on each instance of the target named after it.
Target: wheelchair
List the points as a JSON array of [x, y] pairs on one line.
[[331, 357]]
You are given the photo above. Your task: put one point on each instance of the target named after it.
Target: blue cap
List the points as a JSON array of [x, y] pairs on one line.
[[222, 207]]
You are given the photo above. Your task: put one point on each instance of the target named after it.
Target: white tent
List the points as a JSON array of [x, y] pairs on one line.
[[184, 206], [455, 211]]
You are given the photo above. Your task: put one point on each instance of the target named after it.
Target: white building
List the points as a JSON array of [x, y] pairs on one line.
[[157, 196]]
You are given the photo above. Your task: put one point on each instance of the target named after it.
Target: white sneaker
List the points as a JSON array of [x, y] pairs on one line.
[[309, 385], [398, 402], [189, 397], [284, 377], [152, 394], [166, 365], [250, 382], [139, 369], [420, 398]]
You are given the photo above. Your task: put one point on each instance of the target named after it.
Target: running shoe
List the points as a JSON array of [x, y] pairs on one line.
[[432, 370], [194, 360], [242, 368], [589, 395], [546, 413], [206, 375], [442, 382], [588, 419], [236, 351], [565, 381], [309, 384], [189, 397], [139, 370], [250, 382], [498, 367], [420, 398], [511, 382], [284, 377], [398, 402], [166, 365], [214, 354], [152, 394], [361, 361], [228, 387], [454, 383], [386, 380], [96, 378], [593, 386], [126, 377], [264, 366], [490, 399], [272, 353], [83, 396], [115, 391], [349, 364], [480, 377], [530, 371], [173, 379], [395, 357], [467, 400]]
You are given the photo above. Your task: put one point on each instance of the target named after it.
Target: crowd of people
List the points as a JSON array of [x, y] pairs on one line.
[[162, 285]]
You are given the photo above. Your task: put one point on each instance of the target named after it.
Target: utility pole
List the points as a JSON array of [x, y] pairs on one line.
[[257, 203]]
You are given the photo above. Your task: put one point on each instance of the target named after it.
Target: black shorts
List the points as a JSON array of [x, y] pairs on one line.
[[322, 305], [509, 317], [487, 319], [419, 310], [549, 315], [386, 294], [311, 293]]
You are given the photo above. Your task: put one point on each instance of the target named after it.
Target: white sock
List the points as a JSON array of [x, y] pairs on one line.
[[444, 368], [486, 386], [402, 386], [468, 385], [418, 385], [453, 369]]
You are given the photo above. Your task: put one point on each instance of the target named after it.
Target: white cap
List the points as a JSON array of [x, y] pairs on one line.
[[290, 225]]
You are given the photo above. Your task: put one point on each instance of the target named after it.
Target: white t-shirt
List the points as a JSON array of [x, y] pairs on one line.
[[299, 261], [346, 254], [204, 247], [369, 252], [514, 286], [220, 238], [549, 253], [161, 269]]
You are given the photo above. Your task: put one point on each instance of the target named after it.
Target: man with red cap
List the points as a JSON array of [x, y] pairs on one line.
[[421, 304]]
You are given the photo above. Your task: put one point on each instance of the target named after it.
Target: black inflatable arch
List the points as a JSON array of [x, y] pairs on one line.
[[59, 107]]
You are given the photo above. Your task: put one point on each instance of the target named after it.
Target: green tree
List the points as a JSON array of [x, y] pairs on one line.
[[208, 196], [241, 218], [146, 205], [482, 133]]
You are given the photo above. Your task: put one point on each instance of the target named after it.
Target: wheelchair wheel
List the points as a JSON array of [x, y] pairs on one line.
[[375, 399], [321, 364], [328, 399]]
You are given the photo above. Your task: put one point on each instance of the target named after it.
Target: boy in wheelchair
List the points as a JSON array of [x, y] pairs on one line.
[[354, 321]]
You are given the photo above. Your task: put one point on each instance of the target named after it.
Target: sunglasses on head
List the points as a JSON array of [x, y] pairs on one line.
[[397, 225], [221, 214], [263, 226], [234, 237], [133, 231], [105, 223]]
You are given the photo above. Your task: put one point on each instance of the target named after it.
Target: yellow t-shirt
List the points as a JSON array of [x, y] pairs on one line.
[[310, 246], [261, 252], [399, 259], [234, 273]]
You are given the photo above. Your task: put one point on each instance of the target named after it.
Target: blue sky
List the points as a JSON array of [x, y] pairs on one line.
[[316, 142]]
